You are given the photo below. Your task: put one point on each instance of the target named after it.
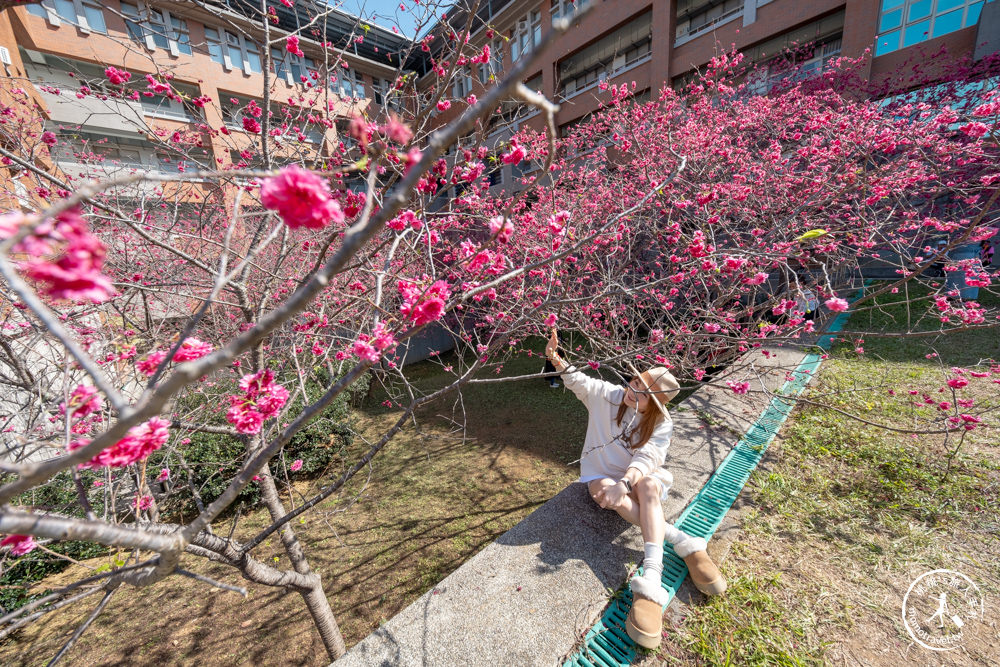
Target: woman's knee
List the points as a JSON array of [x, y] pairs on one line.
[[649, 487]]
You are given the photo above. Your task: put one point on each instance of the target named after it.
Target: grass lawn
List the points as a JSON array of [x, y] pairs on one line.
[[842, 516], [432, 499]]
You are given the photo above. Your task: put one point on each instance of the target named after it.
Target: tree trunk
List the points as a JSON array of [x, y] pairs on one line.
[[315, 599]]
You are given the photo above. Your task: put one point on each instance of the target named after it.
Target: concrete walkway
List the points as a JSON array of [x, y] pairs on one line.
[[528, 598]]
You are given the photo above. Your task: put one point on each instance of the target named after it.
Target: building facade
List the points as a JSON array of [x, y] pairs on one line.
[[192, 96], [213, 52], [664, 42]]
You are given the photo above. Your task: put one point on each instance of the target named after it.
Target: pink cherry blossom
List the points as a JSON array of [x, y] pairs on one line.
[[148, 365], [75, 273], [550, 321], [292, 46], [738, 387], [142, 503], [19, 544], [836, 304], [365, 351], [49, 138], [251, 125], [296, 465], [420, 307], [261, 400], [140, 442], [192, 349], [443, 105], [82, 401], [301, 198], [117, 76], [502, 227], [397, 130], [164, 475]]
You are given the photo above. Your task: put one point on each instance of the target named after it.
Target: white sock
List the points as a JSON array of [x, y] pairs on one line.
[[652, 562], [673, 534], [684, 545]]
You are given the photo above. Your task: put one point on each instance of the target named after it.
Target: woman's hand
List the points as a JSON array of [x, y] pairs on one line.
[[552, 350], [611, 497]]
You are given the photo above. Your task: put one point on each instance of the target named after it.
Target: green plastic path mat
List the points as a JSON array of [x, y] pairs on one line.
[[607, 644]]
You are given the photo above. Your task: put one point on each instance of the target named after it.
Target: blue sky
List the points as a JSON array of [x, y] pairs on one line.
[[387, 13]]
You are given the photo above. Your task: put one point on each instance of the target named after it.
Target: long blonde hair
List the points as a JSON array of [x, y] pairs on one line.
[[665, 387]]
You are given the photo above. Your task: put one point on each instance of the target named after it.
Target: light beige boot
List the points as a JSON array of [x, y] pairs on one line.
[[704, 573]]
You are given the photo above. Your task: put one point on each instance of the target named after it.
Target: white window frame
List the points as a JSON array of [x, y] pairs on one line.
[[225, 39], [564, 8], [158, 22], [47, 9], [385, 89], [461, 85], [526, 35], [494, 66], [898, 31], [688, 35], [762, 80], [290, 63], [357, 85]]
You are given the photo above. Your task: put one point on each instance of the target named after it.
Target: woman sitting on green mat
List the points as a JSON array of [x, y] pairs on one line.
[[628, 433]]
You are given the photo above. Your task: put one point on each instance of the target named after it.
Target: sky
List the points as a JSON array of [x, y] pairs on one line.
[[387, 13]]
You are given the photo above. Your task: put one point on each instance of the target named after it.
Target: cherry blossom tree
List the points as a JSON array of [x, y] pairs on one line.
[[242, 298]]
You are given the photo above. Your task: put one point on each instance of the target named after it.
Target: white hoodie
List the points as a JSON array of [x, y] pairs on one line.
[[605, 453]]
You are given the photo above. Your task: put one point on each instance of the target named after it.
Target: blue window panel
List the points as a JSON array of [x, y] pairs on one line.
[[891, 20], [974, 11], [945, 5], [946, 23], [891, 4], [920, 10], [916, 33], [37, 10], [887, 43], [95, 19]]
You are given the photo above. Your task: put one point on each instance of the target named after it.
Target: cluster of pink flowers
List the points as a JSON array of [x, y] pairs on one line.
[[836, 304], [261, 400], [142, 503], [74, 272], [502, 227], [292, 46], [422, 306], [296, 465], [190, 349], [370, 348], [301, 198], [117, 76], [82, 401], [738, 387], [140, 442], [19, 544], [516, 154]]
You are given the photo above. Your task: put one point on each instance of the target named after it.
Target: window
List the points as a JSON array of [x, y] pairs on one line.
[[290, 67], [84, 14], [156, 28], [385, 94], [234, 109], [163, 106], [527, 34], [490, 70], [349, 84], [461, 85], [787, 70], [565, 8], [609, 55], [233, 51], [903, 23], [696, 16]]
